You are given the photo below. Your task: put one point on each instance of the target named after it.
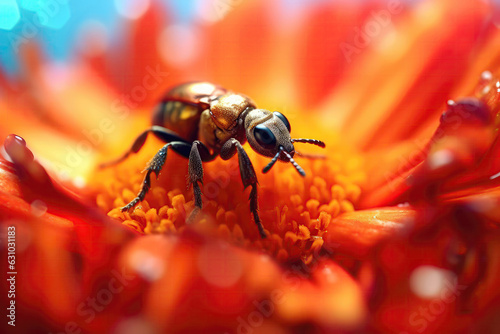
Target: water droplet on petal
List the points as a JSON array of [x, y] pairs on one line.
[[16, 150], [466, 111], [16, 138]]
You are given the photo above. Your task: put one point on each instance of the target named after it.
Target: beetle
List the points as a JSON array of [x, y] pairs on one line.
[[202, 120]]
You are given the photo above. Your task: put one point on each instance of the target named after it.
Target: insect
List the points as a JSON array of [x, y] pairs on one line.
[[201, 121]]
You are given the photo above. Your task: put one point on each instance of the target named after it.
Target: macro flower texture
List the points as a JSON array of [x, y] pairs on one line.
[[393, 229]]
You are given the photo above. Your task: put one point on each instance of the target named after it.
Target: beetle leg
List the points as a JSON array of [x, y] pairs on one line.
[[155, 166], [199, 153], [248, 176], [160, 132]]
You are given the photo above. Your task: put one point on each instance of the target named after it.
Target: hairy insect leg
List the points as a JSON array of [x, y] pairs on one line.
[[162, 133], [155, 166], [248, 177], [199, 154]]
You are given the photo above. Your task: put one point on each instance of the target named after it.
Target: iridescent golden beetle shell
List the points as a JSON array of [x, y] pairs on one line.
[[226, 110]]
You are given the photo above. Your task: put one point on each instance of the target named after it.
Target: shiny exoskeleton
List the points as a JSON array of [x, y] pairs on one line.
[[200, 121]]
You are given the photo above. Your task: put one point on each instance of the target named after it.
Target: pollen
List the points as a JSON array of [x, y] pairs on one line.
[[295, 211]]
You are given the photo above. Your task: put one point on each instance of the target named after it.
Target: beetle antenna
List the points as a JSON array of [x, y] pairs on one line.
[[309, 141], [295, 164], [272, 162], [310, 156]]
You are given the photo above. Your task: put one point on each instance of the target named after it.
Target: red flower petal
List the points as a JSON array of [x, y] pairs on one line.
[[356, 233]]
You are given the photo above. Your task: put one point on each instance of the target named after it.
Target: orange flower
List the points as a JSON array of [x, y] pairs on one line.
[[395, 231]]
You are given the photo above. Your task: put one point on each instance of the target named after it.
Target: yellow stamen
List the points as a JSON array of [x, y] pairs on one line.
[[295, 211]]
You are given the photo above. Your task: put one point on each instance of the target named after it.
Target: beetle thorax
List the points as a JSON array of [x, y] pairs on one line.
[[226, 110]]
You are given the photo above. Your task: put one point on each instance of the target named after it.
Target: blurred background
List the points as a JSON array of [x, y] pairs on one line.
[[175, 31], [61, 26]]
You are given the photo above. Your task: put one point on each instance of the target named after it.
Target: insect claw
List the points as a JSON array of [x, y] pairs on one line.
[[125, 208]]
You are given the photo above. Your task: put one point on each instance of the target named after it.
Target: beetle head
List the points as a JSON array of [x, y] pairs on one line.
[[267, 132]]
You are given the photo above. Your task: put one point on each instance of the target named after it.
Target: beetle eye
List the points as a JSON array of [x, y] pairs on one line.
[[264, 136], [284, 120]]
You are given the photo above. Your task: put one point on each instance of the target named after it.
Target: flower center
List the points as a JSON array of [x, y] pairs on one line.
[[295, 211]]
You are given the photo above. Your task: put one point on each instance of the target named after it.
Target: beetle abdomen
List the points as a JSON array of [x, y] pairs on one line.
[[182, 106], [179, 117]]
